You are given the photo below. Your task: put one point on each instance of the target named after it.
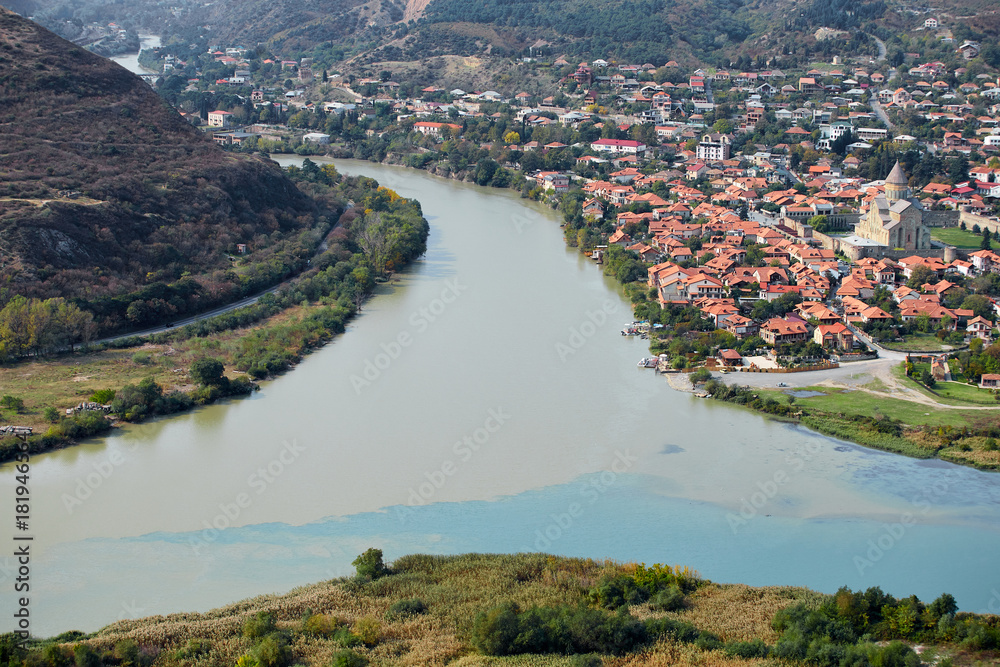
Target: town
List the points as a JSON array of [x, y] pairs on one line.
[[816, 215]]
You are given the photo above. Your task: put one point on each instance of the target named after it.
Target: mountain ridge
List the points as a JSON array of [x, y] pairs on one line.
[[106, 190]]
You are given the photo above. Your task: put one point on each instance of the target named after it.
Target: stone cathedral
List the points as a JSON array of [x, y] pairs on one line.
[[894, 219]]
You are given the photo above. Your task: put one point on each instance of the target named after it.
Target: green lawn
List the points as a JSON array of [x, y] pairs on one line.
[[966, 393], [949, 393], [863, 403], [956, 237], [919, 342]]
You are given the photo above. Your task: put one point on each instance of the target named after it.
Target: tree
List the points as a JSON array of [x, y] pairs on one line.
[[12, 402], [208, 372], [369, 564], [819, 223], [927, 379], [978, 304], [984, 244], [512, 138], [920, 275], [376, 239]]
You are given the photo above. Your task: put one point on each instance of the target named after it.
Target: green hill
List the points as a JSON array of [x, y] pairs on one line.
[[109, 197]]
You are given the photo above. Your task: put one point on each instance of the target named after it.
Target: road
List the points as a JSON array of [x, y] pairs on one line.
[[874, 376], [881, 47], [250, 300], [880, 112]]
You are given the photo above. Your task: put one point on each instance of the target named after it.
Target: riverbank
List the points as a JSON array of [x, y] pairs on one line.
[[437, 610], [256, 342]]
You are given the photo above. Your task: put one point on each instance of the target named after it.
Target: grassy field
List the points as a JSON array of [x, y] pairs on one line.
[[957, 237], [64, 381], [966, 393], [850, 402], [949, 393]]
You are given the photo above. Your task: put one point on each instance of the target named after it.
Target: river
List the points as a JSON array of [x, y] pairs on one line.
[[483, 401], [130, 61]]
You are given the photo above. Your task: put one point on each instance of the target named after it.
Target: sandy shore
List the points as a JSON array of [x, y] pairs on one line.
[[679, 381]]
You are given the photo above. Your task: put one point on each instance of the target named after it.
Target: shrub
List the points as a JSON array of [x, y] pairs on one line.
[[194, 648], [127, 652], [321, 625], [208, 372], [272, 651], [51, 414], [368, 630], [404, 608], [748, 650], [103, 396], [84, 656], [700, 375], [56, 656], [142, 358], [669, 599], [12, 402], [348, 658], [346, 638], [505, 630], [259, 626]]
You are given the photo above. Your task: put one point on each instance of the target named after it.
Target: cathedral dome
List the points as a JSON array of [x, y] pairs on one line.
[[896, 176]]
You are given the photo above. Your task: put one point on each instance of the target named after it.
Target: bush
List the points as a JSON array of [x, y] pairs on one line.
[[84, 656], [701, 375], [505, 630], [272, 651], [748, 650], [669, 599], [370, 565], [103, 396], [208, 372], [127, 652], [12, 402], [404, 608], [346, 638], [259, 626], [51, 414], [321, 625], [142, 358], [348, 658], [55, 656], [368, 630], [193, 649]]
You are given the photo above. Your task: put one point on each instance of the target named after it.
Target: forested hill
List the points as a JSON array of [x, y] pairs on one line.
[[634, 30], [108, 196], [713, 32], [290, 25]]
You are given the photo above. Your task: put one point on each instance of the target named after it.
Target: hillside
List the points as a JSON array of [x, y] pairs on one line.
[[109, 197], [533, 609], [289, 27]]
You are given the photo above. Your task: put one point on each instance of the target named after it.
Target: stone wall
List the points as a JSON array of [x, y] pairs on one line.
[[941, 218], [971, 219]]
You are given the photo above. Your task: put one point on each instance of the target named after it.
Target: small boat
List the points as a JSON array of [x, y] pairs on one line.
[[647, 362]]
